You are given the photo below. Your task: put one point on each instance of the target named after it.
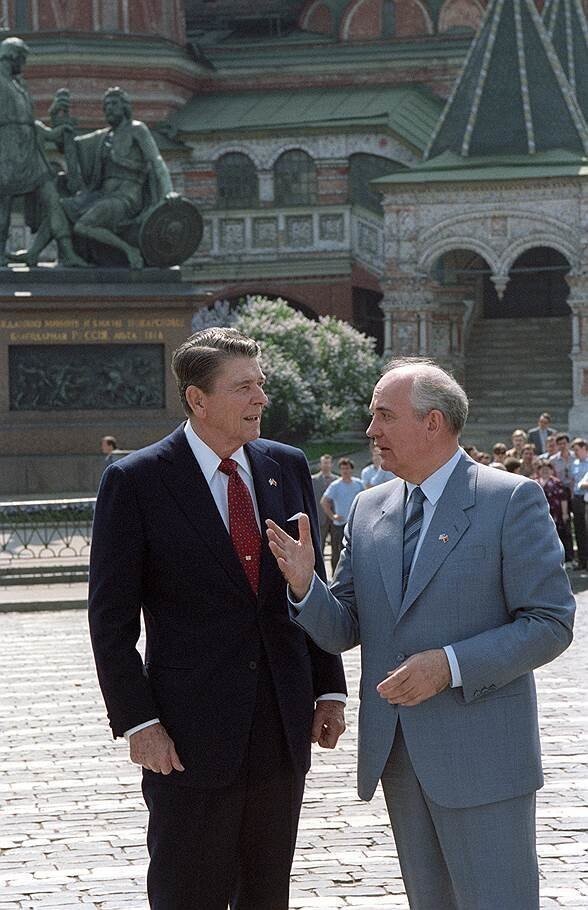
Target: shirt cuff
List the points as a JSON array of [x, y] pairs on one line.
[[333, 696], [148, 723], [298, 604], [453, 666]]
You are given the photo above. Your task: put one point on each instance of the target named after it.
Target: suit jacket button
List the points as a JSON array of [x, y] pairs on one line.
[[253, 665], [400, 657]]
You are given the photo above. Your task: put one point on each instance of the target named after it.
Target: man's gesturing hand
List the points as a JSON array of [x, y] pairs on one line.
[[328, 723], [153, 748], [418, 678], [295, 557]]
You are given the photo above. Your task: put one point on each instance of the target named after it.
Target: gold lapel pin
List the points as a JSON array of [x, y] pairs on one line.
[[443, 538], [273, 482]]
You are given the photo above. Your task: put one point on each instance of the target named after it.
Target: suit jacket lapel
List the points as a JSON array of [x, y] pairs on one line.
[[185, 481], [447, 527], [387, 532], [267, 480]]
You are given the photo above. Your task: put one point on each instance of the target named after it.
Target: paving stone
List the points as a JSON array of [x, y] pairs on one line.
[[72, 830]]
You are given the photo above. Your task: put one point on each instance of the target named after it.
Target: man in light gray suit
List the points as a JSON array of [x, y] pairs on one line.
[[451, 581]]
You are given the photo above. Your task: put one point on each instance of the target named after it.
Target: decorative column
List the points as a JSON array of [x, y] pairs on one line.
[[578, 303], [423, 319], [405, 304]]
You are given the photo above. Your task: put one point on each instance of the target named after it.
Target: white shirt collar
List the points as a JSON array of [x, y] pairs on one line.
[[209, 460], [434, 485]]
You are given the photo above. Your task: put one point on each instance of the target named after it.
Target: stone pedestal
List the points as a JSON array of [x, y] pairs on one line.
[[84, 354]]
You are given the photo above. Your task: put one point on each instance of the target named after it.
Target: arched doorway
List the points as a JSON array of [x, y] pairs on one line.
[[536, 288], [517, 346]]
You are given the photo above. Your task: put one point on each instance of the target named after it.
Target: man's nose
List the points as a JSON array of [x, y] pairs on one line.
[[261, 397]]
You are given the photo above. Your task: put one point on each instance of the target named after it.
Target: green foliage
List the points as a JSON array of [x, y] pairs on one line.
[[320, 374]]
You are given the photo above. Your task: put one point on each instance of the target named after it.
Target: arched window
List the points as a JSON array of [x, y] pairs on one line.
[[295, 179], [236, 181], [362, 169]]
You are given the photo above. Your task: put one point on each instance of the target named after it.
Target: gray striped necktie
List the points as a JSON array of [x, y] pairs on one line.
[[412, 529]]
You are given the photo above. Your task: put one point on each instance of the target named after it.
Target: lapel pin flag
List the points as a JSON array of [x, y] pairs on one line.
[[443, 538], [273, 482]]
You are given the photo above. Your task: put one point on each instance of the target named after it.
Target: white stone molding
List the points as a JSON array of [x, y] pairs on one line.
[[227, 148], [433, 252], [566, 245]]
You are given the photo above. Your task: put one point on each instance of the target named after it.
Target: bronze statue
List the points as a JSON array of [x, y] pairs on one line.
[[124, 174], [24, 168], [114, 205]]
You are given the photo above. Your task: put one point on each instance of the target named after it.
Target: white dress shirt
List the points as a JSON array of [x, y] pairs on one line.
[[218, 483], [433, 488]]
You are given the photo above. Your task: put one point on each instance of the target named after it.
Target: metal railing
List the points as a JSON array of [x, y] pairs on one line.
[[45, 539]]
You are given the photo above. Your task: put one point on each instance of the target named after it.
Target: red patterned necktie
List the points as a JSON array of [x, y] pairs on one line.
[[242, 523]]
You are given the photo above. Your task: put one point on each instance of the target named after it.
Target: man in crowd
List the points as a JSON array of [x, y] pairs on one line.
[[550, 448], [562, 463], [451, 580], [519, 438], [107, 446], [374, 474], [336, 503], [320, 481], [538, 435], [579, 469], [498, 455], [222, 712]]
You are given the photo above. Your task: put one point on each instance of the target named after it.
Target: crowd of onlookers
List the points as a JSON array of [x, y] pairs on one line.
[[558, 464], [334, 495]]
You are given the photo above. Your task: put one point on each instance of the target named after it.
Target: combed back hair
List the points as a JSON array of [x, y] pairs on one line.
[[434, 389], [198, 360], [345, 461]]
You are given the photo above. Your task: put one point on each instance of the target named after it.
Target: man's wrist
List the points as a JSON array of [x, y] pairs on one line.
[[148, 723]]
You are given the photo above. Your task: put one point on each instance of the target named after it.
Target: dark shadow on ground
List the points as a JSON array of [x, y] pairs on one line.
[[578, 581]]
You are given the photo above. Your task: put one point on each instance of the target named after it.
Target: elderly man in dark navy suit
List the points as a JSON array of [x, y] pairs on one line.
[[222, 711]]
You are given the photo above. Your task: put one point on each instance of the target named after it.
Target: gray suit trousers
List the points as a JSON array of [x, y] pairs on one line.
[[477, 858]]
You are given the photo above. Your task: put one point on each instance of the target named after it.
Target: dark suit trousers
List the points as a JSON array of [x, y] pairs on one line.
[[230, 845]]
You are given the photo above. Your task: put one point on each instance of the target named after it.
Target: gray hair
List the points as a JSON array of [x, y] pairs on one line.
[[198, 360], [433, 389]]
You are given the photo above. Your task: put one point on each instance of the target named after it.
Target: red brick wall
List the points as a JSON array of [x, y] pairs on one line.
[[412, 19], [332, 184], [324, 296], [455, 13], [363, 20], [318, 18]]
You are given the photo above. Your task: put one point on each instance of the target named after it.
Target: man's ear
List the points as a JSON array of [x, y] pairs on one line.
[[435, 421], [196, 400]]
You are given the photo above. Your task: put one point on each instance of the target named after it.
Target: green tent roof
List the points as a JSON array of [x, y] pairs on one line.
[[512, 96], [408, 112], [452, 168], [566, 25]]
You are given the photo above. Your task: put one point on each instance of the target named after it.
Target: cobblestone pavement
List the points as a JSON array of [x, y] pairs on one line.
[[72, 820]]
